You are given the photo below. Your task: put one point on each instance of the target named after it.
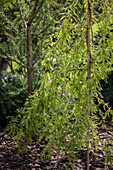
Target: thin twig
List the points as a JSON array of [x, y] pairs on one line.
[[77, 69], [29, 6], [38, 33], [37, 23], [13, 59], [21, 14], [35, 11], [40, 28]]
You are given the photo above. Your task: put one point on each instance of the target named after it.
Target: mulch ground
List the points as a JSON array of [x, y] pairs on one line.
[[10, 160]]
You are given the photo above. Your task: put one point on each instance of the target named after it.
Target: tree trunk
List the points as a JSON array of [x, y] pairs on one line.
[[3, 64], [29, 58], [89, 67]]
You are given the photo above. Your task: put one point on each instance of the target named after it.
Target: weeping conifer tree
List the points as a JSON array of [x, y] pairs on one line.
[[63, 110]]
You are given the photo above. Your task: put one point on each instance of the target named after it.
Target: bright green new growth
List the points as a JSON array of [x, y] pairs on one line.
[[58, 111]]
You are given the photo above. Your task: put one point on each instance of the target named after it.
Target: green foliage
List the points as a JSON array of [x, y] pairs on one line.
[[13, 95], [13, 36], [58, 111], [5, 4], [107, 93]]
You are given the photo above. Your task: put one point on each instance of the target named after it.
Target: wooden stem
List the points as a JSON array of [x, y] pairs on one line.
[[88, 158], [29, 58], [89, 68]]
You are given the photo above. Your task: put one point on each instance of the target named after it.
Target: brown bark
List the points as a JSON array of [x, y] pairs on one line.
[[21, 14], [89, 67], [29, 58], [89, 77], [3, 64], [88, 41]]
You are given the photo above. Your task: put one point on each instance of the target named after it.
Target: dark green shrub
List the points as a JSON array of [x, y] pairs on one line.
[[107, 92], [13, 93]]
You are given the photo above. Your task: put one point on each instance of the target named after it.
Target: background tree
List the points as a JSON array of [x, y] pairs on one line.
[[23, 15], [13, 49]]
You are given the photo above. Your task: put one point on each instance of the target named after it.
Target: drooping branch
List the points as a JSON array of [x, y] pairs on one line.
[[73, 69], [13, 59], [20, 10]]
